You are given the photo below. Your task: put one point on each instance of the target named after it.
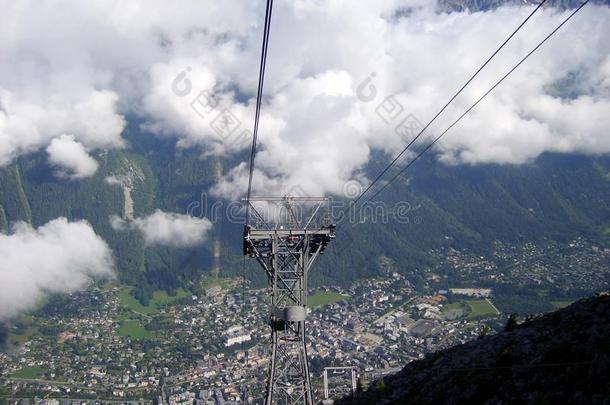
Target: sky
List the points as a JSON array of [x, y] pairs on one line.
[[344, 79]]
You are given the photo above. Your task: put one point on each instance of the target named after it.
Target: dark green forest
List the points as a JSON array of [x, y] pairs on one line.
[[556, 197]]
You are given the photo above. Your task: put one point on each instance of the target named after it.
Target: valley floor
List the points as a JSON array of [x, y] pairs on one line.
[[104, 344]]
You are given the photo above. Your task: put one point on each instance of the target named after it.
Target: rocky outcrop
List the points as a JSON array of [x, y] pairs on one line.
[[482, 5], [558, 358]]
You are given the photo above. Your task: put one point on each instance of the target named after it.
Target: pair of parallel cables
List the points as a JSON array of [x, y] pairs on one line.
[[431, 144]]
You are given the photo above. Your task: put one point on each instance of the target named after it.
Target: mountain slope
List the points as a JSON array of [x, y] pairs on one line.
[[556, 197], [561, 357]]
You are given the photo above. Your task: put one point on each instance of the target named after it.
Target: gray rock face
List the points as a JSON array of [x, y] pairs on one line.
[[481, 5]]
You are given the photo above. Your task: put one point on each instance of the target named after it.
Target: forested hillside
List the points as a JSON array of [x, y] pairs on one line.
[[556, 197]]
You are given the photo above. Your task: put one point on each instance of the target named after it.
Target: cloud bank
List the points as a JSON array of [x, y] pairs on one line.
[[58, 257], [71, 158], [167, 229], [343, 79]]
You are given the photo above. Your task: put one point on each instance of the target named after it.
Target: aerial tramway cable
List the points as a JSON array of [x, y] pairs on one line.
[[380, 175], [259, 97], [401, 171]]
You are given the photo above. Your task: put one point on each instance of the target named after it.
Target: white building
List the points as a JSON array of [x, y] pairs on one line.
[[236, 335]]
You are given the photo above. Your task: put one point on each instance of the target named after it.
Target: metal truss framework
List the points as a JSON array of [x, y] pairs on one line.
[[286, 250], [340, 391]]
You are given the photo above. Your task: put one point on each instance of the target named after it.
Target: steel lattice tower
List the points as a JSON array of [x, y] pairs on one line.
[[286, 250]]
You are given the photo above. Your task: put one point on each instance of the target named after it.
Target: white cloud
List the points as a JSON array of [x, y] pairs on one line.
[[167, 228], [118, 224], [29, 125], [100, 60], [58, 257], [316, 132], [71, 158], [113, 180]]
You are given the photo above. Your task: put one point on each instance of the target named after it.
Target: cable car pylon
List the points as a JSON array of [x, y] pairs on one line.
[[285, 245]]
